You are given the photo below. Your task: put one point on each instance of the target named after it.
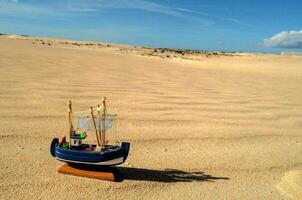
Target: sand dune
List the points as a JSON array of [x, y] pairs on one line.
[[201, 125]]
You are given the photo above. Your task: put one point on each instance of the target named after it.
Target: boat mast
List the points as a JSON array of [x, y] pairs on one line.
[[103, 122], [69, 119], [94, 125], [99, 121]]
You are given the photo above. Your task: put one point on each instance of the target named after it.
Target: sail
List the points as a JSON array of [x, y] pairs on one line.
[[85, 123]]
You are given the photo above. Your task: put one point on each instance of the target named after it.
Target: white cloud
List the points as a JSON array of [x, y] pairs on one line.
[[285, 39], [227, 19], [65, 7], [143, 5], [9, 1], [17, 8]]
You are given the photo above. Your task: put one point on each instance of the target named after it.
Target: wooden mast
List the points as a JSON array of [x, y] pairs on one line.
[[99, 121], [70, 126], [94, 125], [103, 122]]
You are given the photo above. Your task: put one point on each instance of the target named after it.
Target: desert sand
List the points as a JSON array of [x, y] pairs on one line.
[[201, 125]]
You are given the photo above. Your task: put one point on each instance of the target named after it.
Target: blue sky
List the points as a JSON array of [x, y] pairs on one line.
[[230, 25]]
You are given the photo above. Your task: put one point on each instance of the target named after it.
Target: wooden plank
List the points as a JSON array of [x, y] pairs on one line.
[[107, 174]]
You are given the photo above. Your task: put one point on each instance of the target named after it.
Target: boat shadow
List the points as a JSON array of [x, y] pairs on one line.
[[165, 176], [141, 174]]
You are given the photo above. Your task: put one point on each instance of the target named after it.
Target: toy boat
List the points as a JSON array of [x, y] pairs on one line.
[[101, 153]]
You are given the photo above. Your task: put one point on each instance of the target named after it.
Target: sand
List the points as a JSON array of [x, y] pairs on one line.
[[201, 126]]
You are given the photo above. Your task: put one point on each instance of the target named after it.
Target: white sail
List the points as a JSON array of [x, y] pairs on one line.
[[85, 123]]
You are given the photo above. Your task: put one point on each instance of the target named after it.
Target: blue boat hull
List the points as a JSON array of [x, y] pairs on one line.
[[115, 156]]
